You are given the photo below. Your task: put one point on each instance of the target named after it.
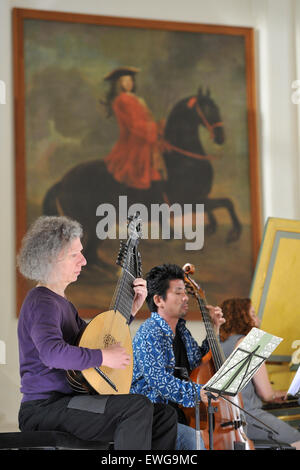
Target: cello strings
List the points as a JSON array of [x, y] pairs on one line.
[[218, 356], [211, 335]]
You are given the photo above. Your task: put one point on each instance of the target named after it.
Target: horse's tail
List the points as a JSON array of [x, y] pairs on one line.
[[51, 205]]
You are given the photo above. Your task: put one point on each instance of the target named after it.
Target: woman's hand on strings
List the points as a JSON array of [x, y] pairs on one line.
[[115, 356]]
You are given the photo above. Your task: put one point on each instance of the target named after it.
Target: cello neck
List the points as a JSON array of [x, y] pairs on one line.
[[213, 341]]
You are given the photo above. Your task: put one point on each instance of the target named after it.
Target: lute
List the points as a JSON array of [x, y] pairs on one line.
[[112, 326]]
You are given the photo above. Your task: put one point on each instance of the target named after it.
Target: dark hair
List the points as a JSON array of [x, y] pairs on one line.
[[237, 316], [113, 92], [158, 282]]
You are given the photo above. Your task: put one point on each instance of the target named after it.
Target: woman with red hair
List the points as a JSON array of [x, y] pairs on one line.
[[240, 318]]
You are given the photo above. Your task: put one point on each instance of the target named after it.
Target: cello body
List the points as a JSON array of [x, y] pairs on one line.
[[228, 422], [228, 430]]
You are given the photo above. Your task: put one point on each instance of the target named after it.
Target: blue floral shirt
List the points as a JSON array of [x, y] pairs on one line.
[[154, 362]]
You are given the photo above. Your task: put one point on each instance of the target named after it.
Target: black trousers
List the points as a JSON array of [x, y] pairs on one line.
[[131, 421]]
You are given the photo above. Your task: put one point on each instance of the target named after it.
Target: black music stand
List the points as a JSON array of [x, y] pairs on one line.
[[243, 362], [185, 376], [238, 370], [197, 410]]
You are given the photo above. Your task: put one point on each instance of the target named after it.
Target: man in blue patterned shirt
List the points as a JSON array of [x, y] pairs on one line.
[[163, 342]]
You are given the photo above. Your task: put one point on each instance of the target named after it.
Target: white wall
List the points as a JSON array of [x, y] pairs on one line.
[[277, 46]]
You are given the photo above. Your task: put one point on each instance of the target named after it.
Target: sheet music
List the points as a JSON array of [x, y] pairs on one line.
[[243, 362], [295, 385]]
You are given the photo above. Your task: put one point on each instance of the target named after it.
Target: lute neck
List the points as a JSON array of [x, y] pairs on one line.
[[124, 293]]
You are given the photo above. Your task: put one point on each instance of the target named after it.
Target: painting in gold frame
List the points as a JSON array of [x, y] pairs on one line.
[[60, 60]]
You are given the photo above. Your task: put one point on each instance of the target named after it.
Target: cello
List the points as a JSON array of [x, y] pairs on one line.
[[228, 424]]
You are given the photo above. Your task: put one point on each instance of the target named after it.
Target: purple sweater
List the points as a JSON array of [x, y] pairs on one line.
[[48, 327]]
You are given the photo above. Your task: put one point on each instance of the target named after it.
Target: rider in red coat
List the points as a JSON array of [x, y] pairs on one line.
[[135, 159]]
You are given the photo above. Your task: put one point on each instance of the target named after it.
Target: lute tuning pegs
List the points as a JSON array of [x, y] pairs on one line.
[[122, 253]]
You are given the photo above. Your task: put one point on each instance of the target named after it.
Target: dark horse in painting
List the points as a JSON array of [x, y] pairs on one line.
[[190, 176]]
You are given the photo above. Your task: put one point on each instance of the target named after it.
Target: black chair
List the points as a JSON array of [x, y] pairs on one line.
[[55, 440]]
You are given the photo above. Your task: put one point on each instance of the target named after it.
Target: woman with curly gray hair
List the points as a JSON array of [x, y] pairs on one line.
[[51, 255], [46, 240]]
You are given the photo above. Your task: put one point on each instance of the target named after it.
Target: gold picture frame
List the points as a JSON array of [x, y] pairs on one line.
[[58, 125]]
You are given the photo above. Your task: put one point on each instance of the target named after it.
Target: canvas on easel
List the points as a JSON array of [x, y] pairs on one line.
[[275, 293]]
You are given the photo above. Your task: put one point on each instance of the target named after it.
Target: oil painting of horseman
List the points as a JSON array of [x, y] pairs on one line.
[[160, 115]]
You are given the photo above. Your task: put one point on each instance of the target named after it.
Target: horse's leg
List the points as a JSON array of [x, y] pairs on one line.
[[211, 228], [217, 203]]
